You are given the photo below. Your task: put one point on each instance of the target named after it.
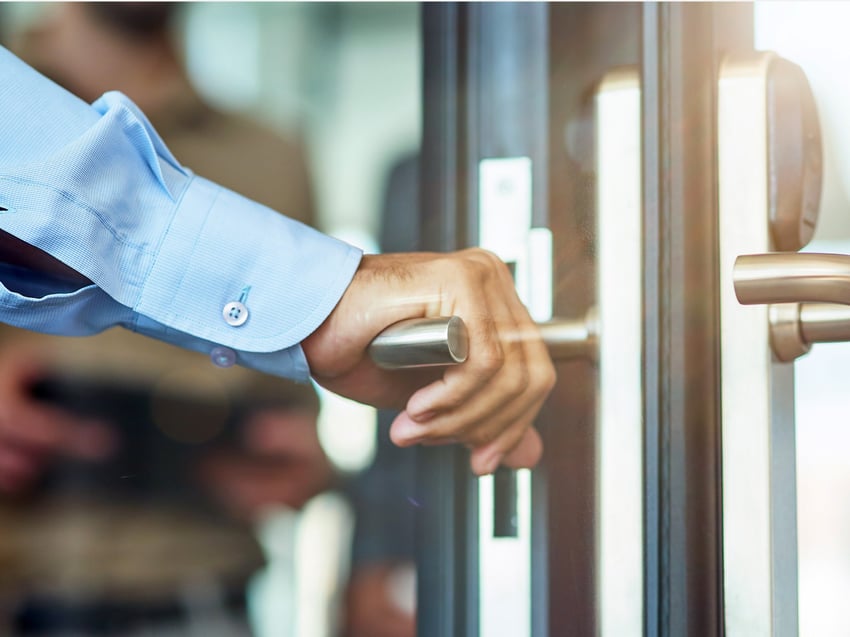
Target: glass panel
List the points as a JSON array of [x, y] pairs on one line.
[[813, 34], [593, 469]]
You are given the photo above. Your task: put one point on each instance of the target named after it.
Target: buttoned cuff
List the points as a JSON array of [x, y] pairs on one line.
[[223, 250], [166, 250]]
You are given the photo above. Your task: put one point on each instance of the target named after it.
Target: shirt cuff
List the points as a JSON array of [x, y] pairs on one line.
[[39, 303], [164, 245], [222, 248]]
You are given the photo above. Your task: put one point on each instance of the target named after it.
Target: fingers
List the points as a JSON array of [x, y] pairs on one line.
[[490, 402], [507, 438], [495, 360]]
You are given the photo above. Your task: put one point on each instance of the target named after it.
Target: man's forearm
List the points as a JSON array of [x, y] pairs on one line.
[[13, 251], [96, 191]]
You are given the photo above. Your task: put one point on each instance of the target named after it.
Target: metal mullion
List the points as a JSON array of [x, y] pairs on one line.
[[507, 117], [651, 116], [446, 550], [477, 99], [681, 358]]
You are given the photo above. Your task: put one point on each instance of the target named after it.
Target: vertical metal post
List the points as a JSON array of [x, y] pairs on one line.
[[485, 98], [508, 125], [682, 44], [447, 520]]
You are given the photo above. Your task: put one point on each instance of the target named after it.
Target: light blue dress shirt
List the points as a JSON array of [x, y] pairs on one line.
[[167, 251]]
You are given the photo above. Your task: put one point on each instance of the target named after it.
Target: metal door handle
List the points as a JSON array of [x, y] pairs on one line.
[[421, 342], [429, 342], [792, 277], [808, 294]]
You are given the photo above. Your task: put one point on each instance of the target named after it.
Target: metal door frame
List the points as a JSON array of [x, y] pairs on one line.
[[484, 65], [681, 48]]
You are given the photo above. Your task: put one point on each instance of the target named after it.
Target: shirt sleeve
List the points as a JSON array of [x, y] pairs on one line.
[[95, 187]]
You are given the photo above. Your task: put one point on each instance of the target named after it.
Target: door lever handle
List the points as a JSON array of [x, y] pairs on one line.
[[792, 277], [428, 342], [808, 294]]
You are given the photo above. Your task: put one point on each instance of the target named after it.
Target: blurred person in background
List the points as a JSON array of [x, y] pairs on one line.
[[75, 564]]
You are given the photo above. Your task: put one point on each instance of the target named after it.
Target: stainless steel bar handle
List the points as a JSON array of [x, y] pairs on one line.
[[422, 342], [428, 342]]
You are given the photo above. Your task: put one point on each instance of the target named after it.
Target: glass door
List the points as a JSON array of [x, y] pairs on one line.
[[652, 178], [812, 36]]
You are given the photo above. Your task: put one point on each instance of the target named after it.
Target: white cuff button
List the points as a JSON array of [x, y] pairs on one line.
[[235, 313], [223, 357]]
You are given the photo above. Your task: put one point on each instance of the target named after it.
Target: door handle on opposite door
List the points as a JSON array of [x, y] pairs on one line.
[[808, 294]]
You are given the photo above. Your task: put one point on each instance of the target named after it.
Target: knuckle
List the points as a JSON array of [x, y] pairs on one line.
[[443, 434], [492, 262], [488, 256], [481, 262], [515, 383], [479, 436], [516, 374], [542, 377], [475, 271], [452, 401], [547, 377], [511, 437], [476, 253], [490, 359], [521, 378]]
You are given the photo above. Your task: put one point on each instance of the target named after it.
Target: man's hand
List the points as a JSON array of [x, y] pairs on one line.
[[31, 433], [487, 403], [281, 462]]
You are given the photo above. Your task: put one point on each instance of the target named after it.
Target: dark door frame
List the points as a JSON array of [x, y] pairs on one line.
[[471, 56]]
